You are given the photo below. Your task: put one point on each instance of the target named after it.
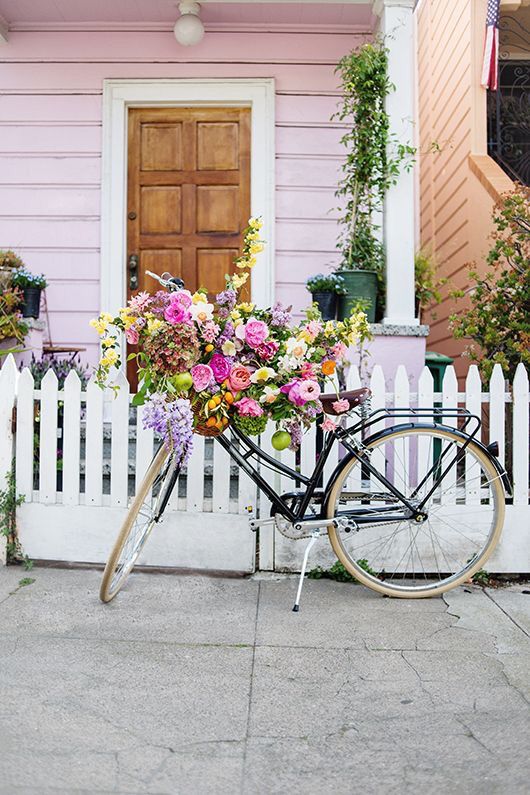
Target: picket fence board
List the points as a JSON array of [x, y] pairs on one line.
[[48, 438], [497, 410], [119, 455], [520, 433], [71, 439], [94, 445], [25, 435], [110, 427]]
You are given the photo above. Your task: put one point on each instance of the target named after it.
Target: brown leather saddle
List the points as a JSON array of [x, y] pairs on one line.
[[355, 397]]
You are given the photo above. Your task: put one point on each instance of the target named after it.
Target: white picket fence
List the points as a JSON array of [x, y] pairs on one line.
[[105, 451]]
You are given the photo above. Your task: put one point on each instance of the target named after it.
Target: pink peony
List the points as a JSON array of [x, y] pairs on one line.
[[340, 406], [132, 336], [220, 367], [209, 331], [239, 377], [267, 350], [292, 390], [256, 332], [327, 424], [182, 297], [240, 332], [309, 390], [248, 407], [202, 375]]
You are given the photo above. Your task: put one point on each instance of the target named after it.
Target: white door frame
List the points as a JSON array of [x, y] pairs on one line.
[[118, 96]]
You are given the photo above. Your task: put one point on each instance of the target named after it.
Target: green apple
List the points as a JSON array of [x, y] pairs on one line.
[[281, 440], [182, 382]]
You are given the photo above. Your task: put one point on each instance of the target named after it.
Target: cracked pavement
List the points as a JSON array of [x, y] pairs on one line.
[[188, 684]]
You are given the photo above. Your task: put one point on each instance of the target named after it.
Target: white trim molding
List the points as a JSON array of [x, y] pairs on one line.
[[118, 96]]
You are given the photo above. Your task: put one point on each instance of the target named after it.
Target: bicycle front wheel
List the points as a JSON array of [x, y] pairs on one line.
[[138, 523], [461, 521]]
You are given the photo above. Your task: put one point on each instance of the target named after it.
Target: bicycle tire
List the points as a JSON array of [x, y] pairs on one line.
[[114, 577], [377, 581]]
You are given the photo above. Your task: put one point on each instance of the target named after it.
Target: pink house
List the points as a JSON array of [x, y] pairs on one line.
[[100, 107]]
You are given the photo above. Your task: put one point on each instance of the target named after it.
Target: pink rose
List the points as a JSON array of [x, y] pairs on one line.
[[338, 350], [182, 297], [175, 313], [220, 367], [340, 406], [239, 377], [202, 376], [256, 332], [327, 424], [248, 407], [267, 350], [132, 336], [309, 390]]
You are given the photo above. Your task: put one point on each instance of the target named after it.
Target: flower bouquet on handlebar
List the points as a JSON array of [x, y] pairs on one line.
[[203, 366]]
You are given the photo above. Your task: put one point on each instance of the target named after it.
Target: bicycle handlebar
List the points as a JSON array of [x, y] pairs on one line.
[[171, 283]]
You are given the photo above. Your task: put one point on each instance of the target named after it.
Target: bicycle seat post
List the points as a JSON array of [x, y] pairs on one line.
[[314, 535]]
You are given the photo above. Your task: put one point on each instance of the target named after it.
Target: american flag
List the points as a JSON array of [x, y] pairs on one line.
[[491, 46]]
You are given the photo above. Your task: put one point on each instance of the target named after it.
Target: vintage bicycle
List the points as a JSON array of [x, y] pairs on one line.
[[414, 507]]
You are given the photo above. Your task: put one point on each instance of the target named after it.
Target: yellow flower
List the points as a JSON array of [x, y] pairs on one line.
[[199, 298], [245, 307], [257, 247], [99, 325], [110, 358], [239, 280], [126, 318], [106, 317], [329, 328], [251, 262], [108, 342], [235, 314], [253, 235], [154, 325], [242, 263], [255, 223]]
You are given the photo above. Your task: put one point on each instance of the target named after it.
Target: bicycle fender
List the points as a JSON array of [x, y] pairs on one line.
[[408, 426]]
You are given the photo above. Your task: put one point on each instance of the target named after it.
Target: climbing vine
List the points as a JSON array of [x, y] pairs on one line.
[[9, 502], [374, 156]]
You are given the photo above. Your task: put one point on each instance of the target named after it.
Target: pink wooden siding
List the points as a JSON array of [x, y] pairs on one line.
[[50, 148]]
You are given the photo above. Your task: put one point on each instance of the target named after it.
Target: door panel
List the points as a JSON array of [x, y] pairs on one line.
[[188, 196]]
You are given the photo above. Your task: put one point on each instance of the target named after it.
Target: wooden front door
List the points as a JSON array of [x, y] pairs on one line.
[[188, 198]]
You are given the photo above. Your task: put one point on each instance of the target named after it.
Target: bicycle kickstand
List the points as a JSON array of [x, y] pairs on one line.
[[314, 535]]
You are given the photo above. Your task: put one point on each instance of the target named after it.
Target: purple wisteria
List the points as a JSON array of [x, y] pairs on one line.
[[173, 421]]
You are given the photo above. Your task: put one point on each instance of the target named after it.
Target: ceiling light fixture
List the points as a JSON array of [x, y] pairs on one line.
[[189, 29]]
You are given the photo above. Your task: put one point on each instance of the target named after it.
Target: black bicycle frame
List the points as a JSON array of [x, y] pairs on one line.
[[245, 449]]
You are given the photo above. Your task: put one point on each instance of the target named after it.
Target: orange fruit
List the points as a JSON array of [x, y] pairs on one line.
[[229, 398], [210, 422], [212, 403], [217, 399], [209, 348]]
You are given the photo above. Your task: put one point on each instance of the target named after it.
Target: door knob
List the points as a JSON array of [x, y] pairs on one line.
[[132, 267]]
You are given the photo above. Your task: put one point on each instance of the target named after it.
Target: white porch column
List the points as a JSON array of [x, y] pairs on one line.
[[397, 27]]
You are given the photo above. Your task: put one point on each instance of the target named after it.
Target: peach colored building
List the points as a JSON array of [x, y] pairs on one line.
[[459, 178]]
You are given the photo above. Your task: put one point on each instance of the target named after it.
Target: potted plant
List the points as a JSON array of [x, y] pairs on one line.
[[325, 291], [8, 262], [12, 328], [373, 160], [31, 285], [426, 284]]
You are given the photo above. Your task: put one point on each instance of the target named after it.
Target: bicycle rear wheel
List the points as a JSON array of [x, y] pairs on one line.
[[462, 519], [138, 523]]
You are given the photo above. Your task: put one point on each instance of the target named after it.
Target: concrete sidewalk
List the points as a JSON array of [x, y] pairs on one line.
[[196, 685]]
